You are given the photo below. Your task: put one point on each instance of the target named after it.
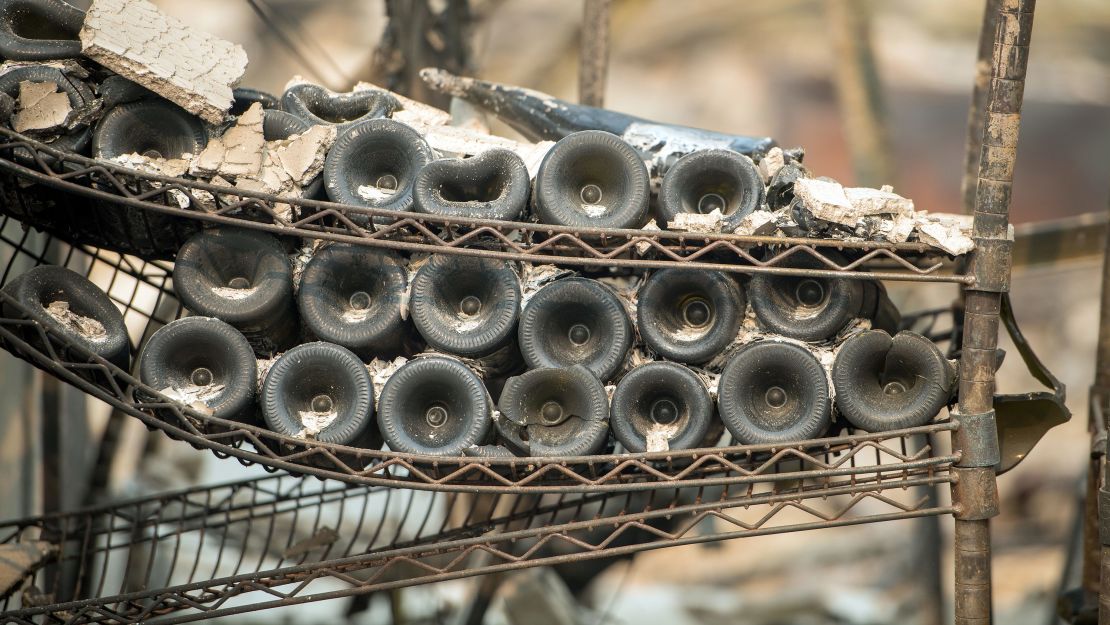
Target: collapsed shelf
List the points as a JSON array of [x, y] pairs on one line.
[[267, 542], [172, 208]]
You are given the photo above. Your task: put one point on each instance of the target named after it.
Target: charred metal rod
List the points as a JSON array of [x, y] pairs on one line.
[[541, 117], [977, 111], [976, 489]]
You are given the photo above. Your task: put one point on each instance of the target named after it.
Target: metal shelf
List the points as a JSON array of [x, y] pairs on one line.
[[143, 290], [264, 541], [189, 203]]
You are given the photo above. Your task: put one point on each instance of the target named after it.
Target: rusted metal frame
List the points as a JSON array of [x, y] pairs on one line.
[[593, 53], [149, 602], [975, 492], [611, 472]]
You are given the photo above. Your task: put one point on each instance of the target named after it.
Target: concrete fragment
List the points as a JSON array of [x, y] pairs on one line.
[[757, 223], [950, 233], [878, 201], [238, 152], [302, 156], [771, 163], [40, 107], [697, 222], [846, 206], [192, 69], [826, 200]]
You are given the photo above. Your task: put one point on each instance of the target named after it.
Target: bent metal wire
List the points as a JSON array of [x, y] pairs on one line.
[[278, 541], [513, 241]]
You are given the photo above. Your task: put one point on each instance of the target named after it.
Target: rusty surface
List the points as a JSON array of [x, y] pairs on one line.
[[990, 265], [977, 110]]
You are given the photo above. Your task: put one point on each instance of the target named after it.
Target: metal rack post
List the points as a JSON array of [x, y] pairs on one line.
[[975, 492]]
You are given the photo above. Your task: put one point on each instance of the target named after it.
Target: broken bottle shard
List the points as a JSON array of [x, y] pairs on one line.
[[539, 116]]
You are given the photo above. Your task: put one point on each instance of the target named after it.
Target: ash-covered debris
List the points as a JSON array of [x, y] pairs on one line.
[[196, 397], [40, 106], [380, 370], [704, 223], [87, 327], [950, 233], [172, 167], [192, 69], [771, 164]]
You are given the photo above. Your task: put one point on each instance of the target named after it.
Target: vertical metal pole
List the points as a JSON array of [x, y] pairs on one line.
[[975, 492], [593, 56], [978, 109]]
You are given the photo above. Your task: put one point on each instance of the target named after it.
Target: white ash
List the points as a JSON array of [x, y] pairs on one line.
[[380, 370], [299, 260], [40, 106], [196, 397], [312, 423], [87, 327], [228, 292], [594, 210], [757, 223], [263, 367], [703, 223], [192, 69], [374, 193], [535, 277], [658, 436], [771, 163], [169, 167]]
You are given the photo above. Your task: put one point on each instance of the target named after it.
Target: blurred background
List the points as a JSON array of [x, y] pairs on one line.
[[763, 68]]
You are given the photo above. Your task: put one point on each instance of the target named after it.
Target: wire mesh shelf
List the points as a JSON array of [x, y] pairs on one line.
[[109, 206], [278, 541], [143, 290]]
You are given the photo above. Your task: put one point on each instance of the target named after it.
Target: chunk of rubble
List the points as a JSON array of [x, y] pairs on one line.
[[951, 233], [757, 223], [282, 167], [238, 152], [703, 223], [830, 201], [190, 68], [40, 106], [455, 141], [771, 163], [643, 246]]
